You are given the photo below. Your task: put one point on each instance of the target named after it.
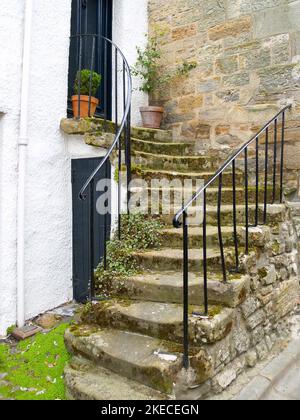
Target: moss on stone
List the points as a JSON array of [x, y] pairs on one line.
[[212, 310], [35, 367]]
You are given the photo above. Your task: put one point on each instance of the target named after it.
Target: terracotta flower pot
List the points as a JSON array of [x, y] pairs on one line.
[[84, 106], [152, 116]]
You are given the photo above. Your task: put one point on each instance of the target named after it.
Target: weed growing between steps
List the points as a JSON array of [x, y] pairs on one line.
[[34, 369], [138, 234]]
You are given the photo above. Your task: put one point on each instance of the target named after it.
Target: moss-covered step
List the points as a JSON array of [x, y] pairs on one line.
[[167, 286], [161, 148], [276, 213], [162, 320], [98, 125], [87, 382], [166, 259], [258, 236], [173, 163], [146, 174], [175, 195], [152, 362], [173, 238]]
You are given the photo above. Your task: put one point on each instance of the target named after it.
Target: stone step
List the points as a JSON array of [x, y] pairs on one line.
[[162, 320], [166, 259], [174, 163], [275, 214], [167, 286], [150, 361], [173, 238], [148, 134], [175, 195], [161, 148], [87, 382], [143, 173], [131, 355]]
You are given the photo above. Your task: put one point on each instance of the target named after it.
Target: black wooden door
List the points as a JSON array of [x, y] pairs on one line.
[[81, 170], [92, 17]]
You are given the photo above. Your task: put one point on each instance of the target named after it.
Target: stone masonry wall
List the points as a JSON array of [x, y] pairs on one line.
[[248, 56]]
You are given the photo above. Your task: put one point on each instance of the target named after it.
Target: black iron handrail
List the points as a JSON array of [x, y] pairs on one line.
[[181, 218], [121, 74], [176, 221]]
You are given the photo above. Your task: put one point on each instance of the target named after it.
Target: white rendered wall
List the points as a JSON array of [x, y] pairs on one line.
[[11, 32], [129, 29], [48, 259]]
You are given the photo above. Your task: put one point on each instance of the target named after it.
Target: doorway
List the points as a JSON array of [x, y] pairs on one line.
[[81, 170], [93, 17]]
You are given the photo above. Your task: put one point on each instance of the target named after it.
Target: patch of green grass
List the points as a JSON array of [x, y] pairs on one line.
[[35, 370]]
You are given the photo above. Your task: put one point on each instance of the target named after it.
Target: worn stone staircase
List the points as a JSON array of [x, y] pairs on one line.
[[130, 347]]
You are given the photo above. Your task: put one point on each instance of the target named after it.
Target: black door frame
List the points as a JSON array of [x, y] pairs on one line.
[[105, 22]]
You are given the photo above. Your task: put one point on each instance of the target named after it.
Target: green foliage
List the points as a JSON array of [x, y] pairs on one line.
[[10, 330], [148, 66], [141, 233], [119, 258], [35, 368], [138, 234], [85, 82]]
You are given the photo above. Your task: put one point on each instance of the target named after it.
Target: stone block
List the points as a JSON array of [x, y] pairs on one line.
[[251, 358], [262, 350], [183, 32], [230, 28], [238, 79], [271, 22], [256, 319], [250, 306], [285, 298], [48, 321], [223, 380], [227, 65]]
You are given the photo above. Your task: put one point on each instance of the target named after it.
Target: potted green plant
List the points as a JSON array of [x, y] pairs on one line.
[[148, 69], [89, 84]]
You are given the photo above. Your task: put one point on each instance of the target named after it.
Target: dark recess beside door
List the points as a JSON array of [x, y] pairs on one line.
[[92, 17]]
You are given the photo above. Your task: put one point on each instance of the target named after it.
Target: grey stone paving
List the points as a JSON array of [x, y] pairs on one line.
[[280, 380]]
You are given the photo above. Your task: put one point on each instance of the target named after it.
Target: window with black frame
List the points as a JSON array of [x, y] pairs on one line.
[[88, 52]]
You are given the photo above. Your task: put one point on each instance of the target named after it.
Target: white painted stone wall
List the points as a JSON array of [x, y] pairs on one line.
[[48, 184], [130, 27]]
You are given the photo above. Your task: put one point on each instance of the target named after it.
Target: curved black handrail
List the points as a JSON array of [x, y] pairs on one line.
[[125, 118], [114, 61], [179, 215]]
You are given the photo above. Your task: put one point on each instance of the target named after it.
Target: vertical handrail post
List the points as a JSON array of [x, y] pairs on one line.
[[235, 235], [246, 202], [105, 82], [79, 76], [91, 74], [266, 176], [92, 241], [220, 228], [185, 293], [282, 156], [205, 278], [257, 182], [105, 226], [128, 159], [275, 160]]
